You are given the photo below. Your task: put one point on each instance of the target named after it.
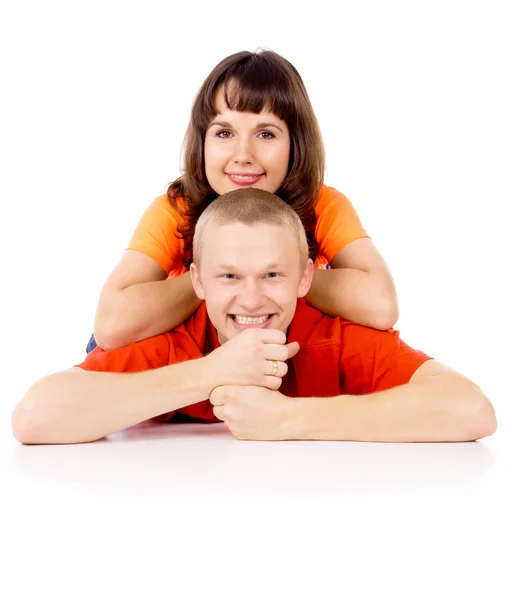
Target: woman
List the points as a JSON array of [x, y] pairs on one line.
[[252, 124]]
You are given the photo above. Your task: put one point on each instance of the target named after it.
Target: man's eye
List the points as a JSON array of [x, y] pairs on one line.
[[229, 276], [272, 275]]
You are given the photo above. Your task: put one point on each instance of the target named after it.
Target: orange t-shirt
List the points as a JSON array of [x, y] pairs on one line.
[[335, 357], [156, 233]]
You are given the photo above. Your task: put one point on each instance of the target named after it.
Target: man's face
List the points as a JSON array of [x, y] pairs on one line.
[[250, 276]]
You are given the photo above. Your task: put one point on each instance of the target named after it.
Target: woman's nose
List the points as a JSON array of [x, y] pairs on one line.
[[243, 151]]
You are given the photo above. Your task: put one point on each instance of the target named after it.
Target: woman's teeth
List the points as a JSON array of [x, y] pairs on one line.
[[250, 320]]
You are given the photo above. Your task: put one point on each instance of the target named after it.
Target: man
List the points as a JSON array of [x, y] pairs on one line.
[[229, 361]]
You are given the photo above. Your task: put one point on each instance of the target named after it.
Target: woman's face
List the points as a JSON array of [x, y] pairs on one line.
[[245, 149]]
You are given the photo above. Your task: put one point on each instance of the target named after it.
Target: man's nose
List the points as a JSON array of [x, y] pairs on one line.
[[252, 296]]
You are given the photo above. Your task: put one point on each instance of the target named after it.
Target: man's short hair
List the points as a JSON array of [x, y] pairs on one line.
[[251, 206]]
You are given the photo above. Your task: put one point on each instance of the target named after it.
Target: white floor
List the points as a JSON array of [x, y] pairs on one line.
[[187, 511]]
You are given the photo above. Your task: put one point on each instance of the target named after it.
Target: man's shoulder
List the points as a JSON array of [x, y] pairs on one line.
[[138, 356], [184, 342], [311, 327], [196, 330], [193, 330]]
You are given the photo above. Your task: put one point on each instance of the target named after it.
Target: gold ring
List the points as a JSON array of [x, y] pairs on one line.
[[274, 371]]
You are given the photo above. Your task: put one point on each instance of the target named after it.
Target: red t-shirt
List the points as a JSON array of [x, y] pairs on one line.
[[335, 357]]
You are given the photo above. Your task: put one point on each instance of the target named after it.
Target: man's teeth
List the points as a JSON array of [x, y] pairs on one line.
[[250, 320]]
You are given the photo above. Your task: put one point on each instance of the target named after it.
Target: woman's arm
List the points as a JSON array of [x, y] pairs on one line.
[[358, 287], [138, 302]]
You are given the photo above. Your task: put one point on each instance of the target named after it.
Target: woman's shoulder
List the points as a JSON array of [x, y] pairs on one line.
[[329, 194], [338, 224], [156, 234], [162, 216], [329, 198], [162, 205]]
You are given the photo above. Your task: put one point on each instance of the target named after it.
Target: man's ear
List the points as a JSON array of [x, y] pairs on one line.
[[196, 282], [306, 279]]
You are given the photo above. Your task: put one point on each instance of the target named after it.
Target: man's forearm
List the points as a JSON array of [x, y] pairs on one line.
[[443, 408], [354, 295], [77, 406], [144, 310]]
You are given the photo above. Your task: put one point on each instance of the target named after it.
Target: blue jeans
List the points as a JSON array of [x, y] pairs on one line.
[[91, 344]]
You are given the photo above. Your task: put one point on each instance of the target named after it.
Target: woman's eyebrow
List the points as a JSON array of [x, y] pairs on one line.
[[262, 125], [267, 124]]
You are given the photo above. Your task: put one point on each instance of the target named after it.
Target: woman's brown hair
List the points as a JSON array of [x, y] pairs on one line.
[[260, 81]]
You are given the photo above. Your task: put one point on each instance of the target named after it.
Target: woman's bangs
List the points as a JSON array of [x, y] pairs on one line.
[[255, 91]]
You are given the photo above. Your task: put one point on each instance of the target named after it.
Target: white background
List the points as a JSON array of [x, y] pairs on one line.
[[411, 100]]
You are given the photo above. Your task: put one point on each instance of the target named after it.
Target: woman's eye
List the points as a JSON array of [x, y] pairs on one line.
[[224, 134], [266, 135]]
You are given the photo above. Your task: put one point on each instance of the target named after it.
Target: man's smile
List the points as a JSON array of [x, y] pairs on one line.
[[244, 322]]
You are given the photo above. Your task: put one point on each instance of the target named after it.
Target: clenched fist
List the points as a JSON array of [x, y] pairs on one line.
[[253, 357], [254, 413]]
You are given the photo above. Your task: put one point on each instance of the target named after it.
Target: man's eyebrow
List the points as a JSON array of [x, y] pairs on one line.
[[225, 267], [262, 125]]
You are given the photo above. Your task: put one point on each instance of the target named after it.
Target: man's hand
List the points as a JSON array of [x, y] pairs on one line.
[[252, 412], [249, 358]]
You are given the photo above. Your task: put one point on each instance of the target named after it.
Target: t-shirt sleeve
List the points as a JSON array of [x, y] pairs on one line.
[[338, 223], [372, 360], [156, 236], [139, 356]]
